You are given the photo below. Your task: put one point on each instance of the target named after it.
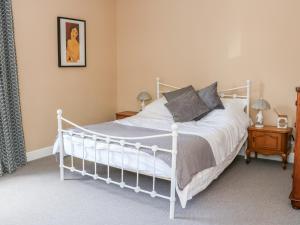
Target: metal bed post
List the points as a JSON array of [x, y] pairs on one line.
[[248, 97], [137, 146], [72, 151], [83, 172], [154, 149], [248, 110], [173, 171], [108, 180], [95, 157], [61, 148], [157, 87], [122, 184]]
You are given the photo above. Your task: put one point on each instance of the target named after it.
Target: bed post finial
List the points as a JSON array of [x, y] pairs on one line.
[[248, 83], [157, 87], [174, 127], [59, 112]]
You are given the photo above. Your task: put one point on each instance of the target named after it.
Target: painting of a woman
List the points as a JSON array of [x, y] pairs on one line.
[[72, 53], [71, 42]]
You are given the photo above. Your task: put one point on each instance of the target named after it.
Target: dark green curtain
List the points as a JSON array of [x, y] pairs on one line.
[[12, 147]]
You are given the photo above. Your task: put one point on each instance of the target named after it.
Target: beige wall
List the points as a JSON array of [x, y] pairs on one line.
[[200, 41], [182, 41], [87, 95]]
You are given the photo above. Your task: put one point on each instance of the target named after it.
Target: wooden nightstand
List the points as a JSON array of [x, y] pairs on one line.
[[124, 114], [269, 140]]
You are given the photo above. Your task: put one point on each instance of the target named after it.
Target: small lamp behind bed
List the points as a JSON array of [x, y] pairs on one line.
[[260, 105], [142, 97]]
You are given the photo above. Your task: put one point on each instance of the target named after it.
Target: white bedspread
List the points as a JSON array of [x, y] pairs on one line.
[[225, 130]]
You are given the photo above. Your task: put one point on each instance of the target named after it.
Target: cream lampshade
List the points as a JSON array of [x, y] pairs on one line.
[[260, 105], [142, 97]]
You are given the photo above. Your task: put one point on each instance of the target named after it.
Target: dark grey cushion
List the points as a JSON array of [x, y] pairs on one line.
[[187, 106], [173, 94], [210, 96]]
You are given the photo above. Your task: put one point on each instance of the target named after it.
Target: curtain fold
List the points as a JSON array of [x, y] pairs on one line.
[[12, 146]]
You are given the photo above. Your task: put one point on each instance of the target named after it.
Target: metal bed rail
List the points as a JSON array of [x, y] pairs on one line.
[[122, 142]]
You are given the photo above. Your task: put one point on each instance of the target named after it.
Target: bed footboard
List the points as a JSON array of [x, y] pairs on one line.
[[122, 141]]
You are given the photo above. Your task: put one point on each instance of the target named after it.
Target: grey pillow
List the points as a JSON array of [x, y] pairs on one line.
[[210, 96], [173, 94], [187, 106]]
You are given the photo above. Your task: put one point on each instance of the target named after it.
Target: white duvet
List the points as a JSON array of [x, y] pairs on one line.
[[225, 130]]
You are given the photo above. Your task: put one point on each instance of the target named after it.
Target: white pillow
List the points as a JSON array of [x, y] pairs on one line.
[[157, 109], [235, 104]]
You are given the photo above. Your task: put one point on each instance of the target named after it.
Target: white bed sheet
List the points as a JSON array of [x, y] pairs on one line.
[[225, 130]]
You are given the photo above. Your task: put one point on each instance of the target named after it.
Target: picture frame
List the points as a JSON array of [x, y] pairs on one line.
[[71, 35]]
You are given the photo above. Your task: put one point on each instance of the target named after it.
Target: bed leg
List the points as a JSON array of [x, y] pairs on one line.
[[172, 209], [62, 175], [61, 150]]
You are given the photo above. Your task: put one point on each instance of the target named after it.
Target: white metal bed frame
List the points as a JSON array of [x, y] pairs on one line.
[[126, 141]]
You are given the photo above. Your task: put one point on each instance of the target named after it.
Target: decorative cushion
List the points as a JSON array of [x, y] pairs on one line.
[[187, 106], [210, 96], [173, 94], [157, 110]]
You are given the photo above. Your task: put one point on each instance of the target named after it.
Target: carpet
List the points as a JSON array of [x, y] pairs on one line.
[[244, 194]]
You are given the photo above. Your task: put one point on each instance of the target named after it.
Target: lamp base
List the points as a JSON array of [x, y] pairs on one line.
[[142, 105], [259, 123]]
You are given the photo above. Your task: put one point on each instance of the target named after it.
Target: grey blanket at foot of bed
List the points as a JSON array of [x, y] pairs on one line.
[[194, 153]]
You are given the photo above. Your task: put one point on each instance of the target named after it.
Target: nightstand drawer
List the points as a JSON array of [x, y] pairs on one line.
[[125, 114], [266, 141]]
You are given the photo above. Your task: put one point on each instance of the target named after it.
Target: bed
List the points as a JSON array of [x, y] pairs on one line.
[[150, 143]]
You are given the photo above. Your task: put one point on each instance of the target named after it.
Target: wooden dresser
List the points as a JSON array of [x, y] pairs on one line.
[[295, 195]]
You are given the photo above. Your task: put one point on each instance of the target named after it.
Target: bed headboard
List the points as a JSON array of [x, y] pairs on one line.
[[233, 93]]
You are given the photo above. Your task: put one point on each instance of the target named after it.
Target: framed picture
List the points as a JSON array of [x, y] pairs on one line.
[[71, 42]]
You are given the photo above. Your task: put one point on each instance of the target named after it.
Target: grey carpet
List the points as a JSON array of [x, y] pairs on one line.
[[244, 194]]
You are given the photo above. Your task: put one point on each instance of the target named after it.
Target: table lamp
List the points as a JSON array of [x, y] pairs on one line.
[[142, 97], [260, 105]]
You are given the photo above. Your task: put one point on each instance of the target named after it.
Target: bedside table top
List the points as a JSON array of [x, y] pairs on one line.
[[126, 113], [274, 129]]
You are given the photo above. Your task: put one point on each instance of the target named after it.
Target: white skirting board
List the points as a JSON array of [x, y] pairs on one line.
[[39, 153]]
